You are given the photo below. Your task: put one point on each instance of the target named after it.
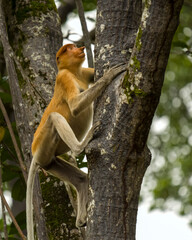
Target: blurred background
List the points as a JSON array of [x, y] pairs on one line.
[[166, 197]]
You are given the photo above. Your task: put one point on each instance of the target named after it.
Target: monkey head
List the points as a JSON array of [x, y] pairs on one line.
[[69, 56]]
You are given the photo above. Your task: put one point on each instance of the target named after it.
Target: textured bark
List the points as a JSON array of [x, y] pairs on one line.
[[35, 36], [118, 155]]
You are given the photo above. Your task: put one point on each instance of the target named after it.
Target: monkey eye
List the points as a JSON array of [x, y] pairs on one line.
[[72, 47], [57, 58], [64, 50]]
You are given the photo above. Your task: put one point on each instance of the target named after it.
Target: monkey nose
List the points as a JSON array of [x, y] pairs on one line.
[[82, 48]]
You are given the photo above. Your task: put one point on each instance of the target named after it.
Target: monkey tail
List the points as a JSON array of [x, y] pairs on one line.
[[29, 199]]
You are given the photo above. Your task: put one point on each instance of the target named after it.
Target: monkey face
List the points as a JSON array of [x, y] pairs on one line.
[[69, 56]]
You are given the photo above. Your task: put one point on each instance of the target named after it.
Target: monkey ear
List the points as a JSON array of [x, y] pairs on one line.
[[57, 59]]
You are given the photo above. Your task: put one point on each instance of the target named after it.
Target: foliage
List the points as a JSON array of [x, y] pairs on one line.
[[169, 178], [11, 171], [89, 5]]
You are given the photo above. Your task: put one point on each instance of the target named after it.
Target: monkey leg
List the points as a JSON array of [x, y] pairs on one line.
[[54, 130], [67, 135], [73, 175]]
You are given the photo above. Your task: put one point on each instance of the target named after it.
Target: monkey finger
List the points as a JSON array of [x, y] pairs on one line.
[[96, 126], [119, 68], [114, 71]]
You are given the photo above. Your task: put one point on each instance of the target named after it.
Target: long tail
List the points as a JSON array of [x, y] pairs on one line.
[[29, 199]]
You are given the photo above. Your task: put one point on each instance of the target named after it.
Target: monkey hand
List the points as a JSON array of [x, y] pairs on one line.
[[113, 72], [93, 129]]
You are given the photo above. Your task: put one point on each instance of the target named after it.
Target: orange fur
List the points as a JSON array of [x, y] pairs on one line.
[[65, 126], [70, 81]]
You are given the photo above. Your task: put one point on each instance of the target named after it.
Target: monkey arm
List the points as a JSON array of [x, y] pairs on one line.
[[84, 99]]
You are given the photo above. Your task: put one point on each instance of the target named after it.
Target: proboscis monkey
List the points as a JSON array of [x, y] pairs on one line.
[[65, 126]]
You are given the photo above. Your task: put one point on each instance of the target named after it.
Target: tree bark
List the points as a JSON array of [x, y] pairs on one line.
[[35, 36], [118, 155]]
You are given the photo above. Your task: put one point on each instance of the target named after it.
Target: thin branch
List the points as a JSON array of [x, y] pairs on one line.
[[81, 41], [4, 219], [85, 32], [11, 154], [19, 156], [2, 204], [11, 215], [65, 8]]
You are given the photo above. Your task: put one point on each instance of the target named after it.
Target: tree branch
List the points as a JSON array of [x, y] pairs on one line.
[[81, 41], [85, 32], [19, 156], [20, 114], [65, 9], [4, 202], [11, 215], [13, 80]]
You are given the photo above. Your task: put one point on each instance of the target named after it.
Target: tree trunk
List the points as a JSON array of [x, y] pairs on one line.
[[35, 35], [118, 155]]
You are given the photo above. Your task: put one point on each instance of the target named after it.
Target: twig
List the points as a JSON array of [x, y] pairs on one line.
[[4, 219], [2, 205], [12, 155], [11, 215], [85, 32], [81, 41], [22, 165]]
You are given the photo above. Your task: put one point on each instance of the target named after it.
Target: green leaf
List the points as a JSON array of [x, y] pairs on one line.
[[6, 97], [21, 220], [10, 172], [180, 44], [18, 190]]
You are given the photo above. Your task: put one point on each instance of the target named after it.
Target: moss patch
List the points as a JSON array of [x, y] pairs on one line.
[[130, 88], [32, 9], [138, 39], [135, 64], [58, 210], [147, 3]]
